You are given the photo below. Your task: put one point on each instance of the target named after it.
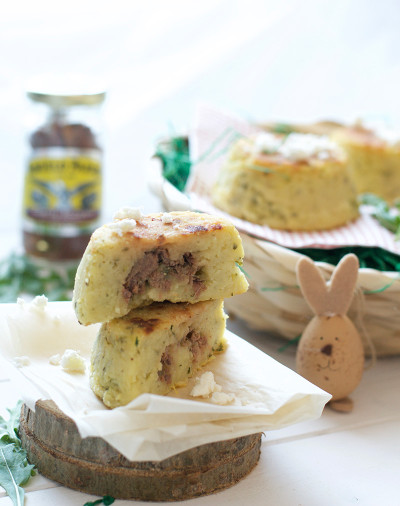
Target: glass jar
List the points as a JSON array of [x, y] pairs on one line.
[[63, 180]]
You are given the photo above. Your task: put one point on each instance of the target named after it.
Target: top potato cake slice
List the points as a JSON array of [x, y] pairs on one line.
[[176, 257]]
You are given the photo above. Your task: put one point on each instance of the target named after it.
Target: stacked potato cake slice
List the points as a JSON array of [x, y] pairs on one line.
[[156, 284], [298, 182]]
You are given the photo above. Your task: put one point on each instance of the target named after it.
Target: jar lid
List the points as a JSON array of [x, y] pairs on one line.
[[59, 101], [65, 90]]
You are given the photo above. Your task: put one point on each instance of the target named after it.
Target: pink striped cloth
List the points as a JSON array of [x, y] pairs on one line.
[[211, 136]]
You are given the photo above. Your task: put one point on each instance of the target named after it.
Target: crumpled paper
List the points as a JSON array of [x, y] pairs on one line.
[[267, 395], [212, 134]]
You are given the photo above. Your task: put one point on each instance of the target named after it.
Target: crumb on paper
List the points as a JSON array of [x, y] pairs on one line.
[[21, 361], [222, 398], [133, 213], [55, 359], [207, 388], [72, 361], [205, 385], [39, 304]]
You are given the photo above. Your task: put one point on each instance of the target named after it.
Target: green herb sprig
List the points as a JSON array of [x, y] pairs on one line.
[[174, 155], [107, 500], [388, 217], [283, 128], [372, 258], [15, 469], [21, 275]]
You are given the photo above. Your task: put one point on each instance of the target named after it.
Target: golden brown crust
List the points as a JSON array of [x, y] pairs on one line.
[[154, 228], [148, 326], [159, 315], [360, 135]]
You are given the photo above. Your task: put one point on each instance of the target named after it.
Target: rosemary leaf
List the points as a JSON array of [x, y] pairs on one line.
[[15, 470], [386, 216], [106, 500], [19, 275]]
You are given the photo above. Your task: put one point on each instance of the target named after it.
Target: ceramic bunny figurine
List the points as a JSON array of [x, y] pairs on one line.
[[330, 352]]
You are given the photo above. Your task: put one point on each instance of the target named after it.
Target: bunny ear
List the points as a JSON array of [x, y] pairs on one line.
[[334, 299], [342, 284], [312, 285]]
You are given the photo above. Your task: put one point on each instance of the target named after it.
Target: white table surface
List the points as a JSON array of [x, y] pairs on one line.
[[339, 459]]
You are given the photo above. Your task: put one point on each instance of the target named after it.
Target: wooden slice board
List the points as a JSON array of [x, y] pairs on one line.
[[91, 465]]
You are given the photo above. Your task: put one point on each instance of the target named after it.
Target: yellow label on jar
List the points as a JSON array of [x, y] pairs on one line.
[[63, 190]]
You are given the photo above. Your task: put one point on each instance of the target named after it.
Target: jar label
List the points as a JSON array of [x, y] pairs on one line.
[[63, 186]]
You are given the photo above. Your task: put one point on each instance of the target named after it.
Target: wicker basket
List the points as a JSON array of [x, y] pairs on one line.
[[274, 302]]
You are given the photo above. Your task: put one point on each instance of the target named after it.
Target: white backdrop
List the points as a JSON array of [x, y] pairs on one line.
[[265, 60]]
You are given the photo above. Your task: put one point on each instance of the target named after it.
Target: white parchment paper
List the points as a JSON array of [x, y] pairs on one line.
[[267, 395]]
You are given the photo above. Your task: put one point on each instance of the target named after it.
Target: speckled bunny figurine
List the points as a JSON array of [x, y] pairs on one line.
[[330, 352]]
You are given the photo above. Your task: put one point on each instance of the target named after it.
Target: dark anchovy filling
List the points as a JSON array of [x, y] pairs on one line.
[[166, 362], [194, 341], [157, 270]]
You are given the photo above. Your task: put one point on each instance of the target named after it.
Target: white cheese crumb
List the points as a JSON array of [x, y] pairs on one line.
[[166, 218], [55, 359], [296, 146], [205, 385], [267, 142], [72, 361], [21, 361], [222, 398], [133, 213], [207, 388], [39, 304], [122, 226], [302, 146]]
